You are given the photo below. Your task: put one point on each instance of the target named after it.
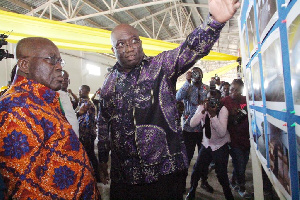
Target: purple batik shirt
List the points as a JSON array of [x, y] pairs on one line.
[[137, 118]]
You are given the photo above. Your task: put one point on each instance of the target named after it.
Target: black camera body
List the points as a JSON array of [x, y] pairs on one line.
[[213, 102], [4, 53], [241, 115]]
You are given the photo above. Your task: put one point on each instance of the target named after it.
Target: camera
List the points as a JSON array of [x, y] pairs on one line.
[[213, 102], [5, 54], [241, 115]]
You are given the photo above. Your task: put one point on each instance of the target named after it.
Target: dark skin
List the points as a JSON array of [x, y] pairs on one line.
[[226, 89], [128, 50], [32, 54], [236, 94], [65, 83], [83, 93], [210, 110], [127, 46]]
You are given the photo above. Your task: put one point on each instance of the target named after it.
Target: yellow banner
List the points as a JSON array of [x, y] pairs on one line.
[[76, 37]]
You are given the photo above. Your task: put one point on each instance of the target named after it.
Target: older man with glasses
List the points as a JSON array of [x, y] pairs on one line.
[[41, 157]]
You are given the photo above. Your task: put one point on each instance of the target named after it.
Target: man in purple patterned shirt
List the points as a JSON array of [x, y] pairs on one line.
[[137, 117]]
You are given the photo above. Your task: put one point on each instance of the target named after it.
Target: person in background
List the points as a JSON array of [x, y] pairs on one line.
[[225, 89], [86, 115], [42, 157], [96, 101], [238, 128], [213, 117], [67, 104], [74, 99], [137, 119], [192, 93]]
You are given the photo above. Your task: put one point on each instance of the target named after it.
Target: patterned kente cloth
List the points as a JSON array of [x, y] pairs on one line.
[[41, 157], [138, 109]]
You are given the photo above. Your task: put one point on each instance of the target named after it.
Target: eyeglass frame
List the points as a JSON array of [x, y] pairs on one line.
[[129, 43], [51, 58]]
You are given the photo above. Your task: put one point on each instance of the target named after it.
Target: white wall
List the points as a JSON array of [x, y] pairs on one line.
[[76, 62]]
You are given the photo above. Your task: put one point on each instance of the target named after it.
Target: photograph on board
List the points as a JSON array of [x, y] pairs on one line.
[[251, 29], [293, 29], [261, 137], [249, 84], [273, 72], [267, 15], [279, 152], [255, 70]]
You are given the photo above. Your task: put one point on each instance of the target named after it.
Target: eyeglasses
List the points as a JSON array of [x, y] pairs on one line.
[[133, 42], [52, 60]]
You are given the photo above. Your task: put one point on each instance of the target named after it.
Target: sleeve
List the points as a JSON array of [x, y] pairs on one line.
[[219, 123], [197, 117], [103, 134], [182, 92], [197, 45]]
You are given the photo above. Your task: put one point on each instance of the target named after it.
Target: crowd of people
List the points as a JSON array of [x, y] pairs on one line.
[[47, 139]]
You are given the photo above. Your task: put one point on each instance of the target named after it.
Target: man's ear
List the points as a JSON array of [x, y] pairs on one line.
[[113, 50], [23, 66]]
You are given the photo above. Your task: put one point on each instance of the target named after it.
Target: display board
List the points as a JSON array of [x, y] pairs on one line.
[[270, 49]]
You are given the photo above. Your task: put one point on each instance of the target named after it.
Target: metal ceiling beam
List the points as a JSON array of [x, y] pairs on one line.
[[21, 4], [94, 7], [110, 11], [158, 21], [41, 7], [145, 28]]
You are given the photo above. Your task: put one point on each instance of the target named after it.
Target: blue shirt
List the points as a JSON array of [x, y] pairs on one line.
[[191, 96]]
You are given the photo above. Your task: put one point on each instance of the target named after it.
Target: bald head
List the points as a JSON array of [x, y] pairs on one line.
[[31, 46], [127, 46], [38, 60], [121, 29]]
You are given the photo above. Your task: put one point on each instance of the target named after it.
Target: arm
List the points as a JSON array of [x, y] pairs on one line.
[[200, 41], [183, 91], [219, 123], [198, 116], [103, 143], [74, 96]]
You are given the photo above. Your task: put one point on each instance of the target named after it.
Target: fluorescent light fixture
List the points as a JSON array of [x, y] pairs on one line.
[[93, 69]]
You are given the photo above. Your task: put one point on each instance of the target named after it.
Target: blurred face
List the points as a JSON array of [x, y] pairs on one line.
[[127, 46], [66, 81], [197, 75], [235, 91], [45, 66], [226, 89], [83, 92]]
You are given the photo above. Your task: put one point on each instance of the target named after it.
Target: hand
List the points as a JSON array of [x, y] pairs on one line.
[[83, 108], [212, 111], [188, 76], [70, 91], [223, 10], [104, 178]]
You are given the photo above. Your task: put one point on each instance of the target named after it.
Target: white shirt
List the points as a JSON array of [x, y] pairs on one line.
[[69, 111], [218, 126]]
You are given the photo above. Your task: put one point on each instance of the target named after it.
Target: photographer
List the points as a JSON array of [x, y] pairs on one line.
[[213, 117], [192, 93], [238, 128]]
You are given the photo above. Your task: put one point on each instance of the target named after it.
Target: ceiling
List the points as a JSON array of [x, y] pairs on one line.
[[168, 20]]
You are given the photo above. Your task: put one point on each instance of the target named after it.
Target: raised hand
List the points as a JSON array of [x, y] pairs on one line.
[[223, 10]]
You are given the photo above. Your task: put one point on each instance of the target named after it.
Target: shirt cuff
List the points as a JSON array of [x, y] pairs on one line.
[[213, 24]]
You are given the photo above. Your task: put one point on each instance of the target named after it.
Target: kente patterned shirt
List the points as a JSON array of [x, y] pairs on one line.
[[41, 157], [191, 96], [137, 120]]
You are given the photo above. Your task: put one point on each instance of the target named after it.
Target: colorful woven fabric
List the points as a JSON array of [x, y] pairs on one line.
[[40, 155]]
